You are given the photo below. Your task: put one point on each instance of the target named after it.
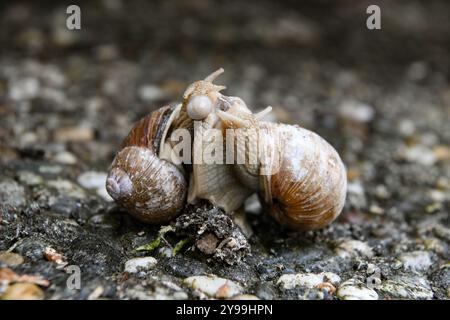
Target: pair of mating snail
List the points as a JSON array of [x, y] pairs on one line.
[[300, 178]]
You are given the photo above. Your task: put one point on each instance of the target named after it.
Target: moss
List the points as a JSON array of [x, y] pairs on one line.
[[179, 246], [149, 247]]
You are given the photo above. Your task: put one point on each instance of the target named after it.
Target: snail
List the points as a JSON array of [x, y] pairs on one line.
[[142, 177], [299, 176], [150, 188]]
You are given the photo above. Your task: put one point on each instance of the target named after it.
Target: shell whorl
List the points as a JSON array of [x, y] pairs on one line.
[[150, 188]]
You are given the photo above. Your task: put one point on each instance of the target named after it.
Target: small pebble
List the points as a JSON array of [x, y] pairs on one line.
[[214, 286], [140, 264], [352, 248], [23, 291], [308, 280], [24, 89], [371, 268], [54, 170], [10, 259], [12, 193], [356, 195], [442, 153], [151, 93], [95, 180], [416, 260], [207, 243], [438, 195], [419, 154], [376, 209], [65, 157], [52, 255], [29, 178], [92, 179], [356, 111], [74, 134], [67, 187], [381, 192], [406, 287], [435, 245], [406, 128], [356, 290]]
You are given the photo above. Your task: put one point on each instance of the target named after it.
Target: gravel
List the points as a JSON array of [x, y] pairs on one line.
[[67, 100]]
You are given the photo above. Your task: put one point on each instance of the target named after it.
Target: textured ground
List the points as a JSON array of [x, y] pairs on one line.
[[382, 98]]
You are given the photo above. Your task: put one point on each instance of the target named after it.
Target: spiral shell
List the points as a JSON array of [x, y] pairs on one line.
[[150, 188], [308, 189]]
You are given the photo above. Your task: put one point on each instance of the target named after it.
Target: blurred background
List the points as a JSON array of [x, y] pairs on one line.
[[315, 61], [381, 97]]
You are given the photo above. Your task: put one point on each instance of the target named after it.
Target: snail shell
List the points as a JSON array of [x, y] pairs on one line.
[[308, 189], [150, 188]]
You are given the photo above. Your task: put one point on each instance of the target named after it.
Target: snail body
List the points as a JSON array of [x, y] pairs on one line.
[[299, 176]]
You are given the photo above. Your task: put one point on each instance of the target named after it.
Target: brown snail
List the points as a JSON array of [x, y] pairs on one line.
[[299, 176], [150, 188]]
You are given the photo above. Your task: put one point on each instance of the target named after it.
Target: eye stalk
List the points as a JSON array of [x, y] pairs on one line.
[[199, 107]]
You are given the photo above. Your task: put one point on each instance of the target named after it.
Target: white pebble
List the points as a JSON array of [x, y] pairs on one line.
[[355, 290], [416, 260], [150, 93], [419, 154], [92, 179], [65, 157], [356, 194], [140, 264], [352, 248], [407, 287], [67, 187], [23, 89], [356, 111], [309, 280], [214, 286], [406, 127]]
